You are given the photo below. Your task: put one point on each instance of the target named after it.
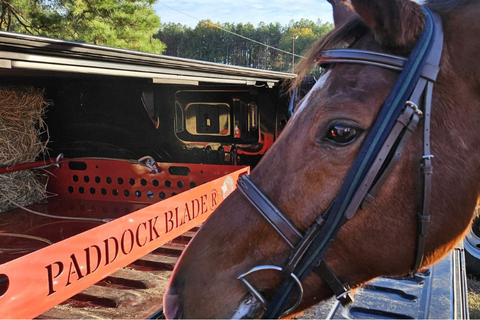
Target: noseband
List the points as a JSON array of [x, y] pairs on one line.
[[377, 158]]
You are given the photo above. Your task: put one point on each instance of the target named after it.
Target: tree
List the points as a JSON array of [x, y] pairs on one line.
[[172, 34], [14, 16], [205, 42], [269, 35], [265, 47], [128, 24], [304, 32]]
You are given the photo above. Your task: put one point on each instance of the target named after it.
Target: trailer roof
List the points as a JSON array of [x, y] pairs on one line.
[[19, 51]]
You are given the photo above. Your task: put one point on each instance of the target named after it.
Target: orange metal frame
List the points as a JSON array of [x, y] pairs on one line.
[[42, 279]]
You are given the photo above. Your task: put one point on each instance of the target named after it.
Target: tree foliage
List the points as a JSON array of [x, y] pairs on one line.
[[133, 24], [129, 24], [267, 46]]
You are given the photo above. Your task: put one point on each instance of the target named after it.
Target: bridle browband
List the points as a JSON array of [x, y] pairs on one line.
[[377, 158]]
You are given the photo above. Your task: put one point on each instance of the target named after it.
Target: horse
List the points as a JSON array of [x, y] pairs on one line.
[[308, 167]]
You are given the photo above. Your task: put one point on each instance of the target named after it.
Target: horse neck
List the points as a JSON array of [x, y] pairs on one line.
[[455, 122], [459, 85]]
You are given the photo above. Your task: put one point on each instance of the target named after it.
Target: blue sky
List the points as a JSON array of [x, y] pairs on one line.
[[189, 12]]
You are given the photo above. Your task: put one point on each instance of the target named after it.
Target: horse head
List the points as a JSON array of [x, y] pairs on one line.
[[310, 166]]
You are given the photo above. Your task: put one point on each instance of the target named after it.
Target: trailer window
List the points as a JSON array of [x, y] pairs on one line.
[[208, 119], [217, 116]]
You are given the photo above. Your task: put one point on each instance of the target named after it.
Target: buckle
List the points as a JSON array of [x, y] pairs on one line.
[[415, 108], [345, 298]]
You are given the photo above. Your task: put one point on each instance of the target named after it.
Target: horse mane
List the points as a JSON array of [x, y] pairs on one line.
[[350, 31], [339, 37]]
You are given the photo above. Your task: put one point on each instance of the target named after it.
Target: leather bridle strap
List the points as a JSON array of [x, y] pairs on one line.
[[286, 229], [426, 174], [269, 211], [299, 243], [378, 59]]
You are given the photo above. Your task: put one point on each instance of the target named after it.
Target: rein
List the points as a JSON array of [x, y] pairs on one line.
[[377, 158]]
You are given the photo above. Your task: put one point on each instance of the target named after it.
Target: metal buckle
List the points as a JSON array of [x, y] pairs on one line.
[[56, 164], [257, 295], [343, 295], [415, 108], [148, 162]]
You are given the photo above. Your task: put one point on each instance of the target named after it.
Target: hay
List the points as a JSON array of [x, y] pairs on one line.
[[24, 187], [21, 125]]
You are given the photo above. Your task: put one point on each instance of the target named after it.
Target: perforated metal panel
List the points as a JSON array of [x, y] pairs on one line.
[[124, 181]]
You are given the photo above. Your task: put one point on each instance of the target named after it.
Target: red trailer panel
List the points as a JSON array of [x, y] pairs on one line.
[[84, 252]]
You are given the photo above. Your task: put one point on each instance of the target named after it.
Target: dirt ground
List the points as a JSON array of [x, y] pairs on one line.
[[474, 297]]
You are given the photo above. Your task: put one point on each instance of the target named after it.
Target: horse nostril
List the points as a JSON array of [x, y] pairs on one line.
[[172, 304], [249, 308]]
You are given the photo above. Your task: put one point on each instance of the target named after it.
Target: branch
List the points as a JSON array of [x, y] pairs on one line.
[[18, 15]]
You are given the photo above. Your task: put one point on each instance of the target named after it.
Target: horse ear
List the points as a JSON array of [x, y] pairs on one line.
[[395, 23], [342, 11]]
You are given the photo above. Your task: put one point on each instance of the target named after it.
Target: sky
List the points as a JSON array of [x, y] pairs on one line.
[[190, 12]]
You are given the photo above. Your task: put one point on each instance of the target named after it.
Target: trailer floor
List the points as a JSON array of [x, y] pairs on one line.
[[135, 291]]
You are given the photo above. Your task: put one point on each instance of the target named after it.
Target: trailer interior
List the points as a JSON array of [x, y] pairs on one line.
[[141, 149]]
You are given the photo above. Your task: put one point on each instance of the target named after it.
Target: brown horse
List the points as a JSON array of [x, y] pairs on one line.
[[305, 169]]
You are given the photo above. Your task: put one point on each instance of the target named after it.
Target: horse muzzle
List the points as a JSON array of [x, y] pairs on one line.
[[249, 307], [172, 304]]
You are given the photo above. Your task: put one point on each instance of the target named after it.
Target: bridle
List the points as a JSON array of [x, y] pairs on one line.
[[377, 158]]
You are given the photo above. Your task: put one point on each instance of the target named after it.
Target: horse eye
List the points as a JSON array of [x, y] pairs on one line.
[[342, 135]]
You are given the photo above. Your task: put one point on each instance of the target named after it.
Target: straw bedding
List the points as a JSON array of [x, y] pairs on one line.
[[21, 128]]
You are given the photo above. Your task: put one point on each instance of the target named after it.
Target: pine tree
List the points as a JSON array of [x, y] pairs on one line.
[[128, 24]]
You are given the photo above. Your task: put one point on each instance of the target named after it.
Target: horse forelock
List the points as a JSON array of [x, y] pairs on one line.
[[307, 99], [339, 37]]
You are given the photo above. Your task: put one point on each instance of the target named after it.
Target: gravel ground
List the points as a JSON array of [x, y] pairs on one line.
[[474, 298]]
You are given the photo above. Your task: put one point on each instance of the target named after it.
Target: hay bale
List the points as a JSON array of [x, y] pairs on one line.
[[24, 187], [21, 125]]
